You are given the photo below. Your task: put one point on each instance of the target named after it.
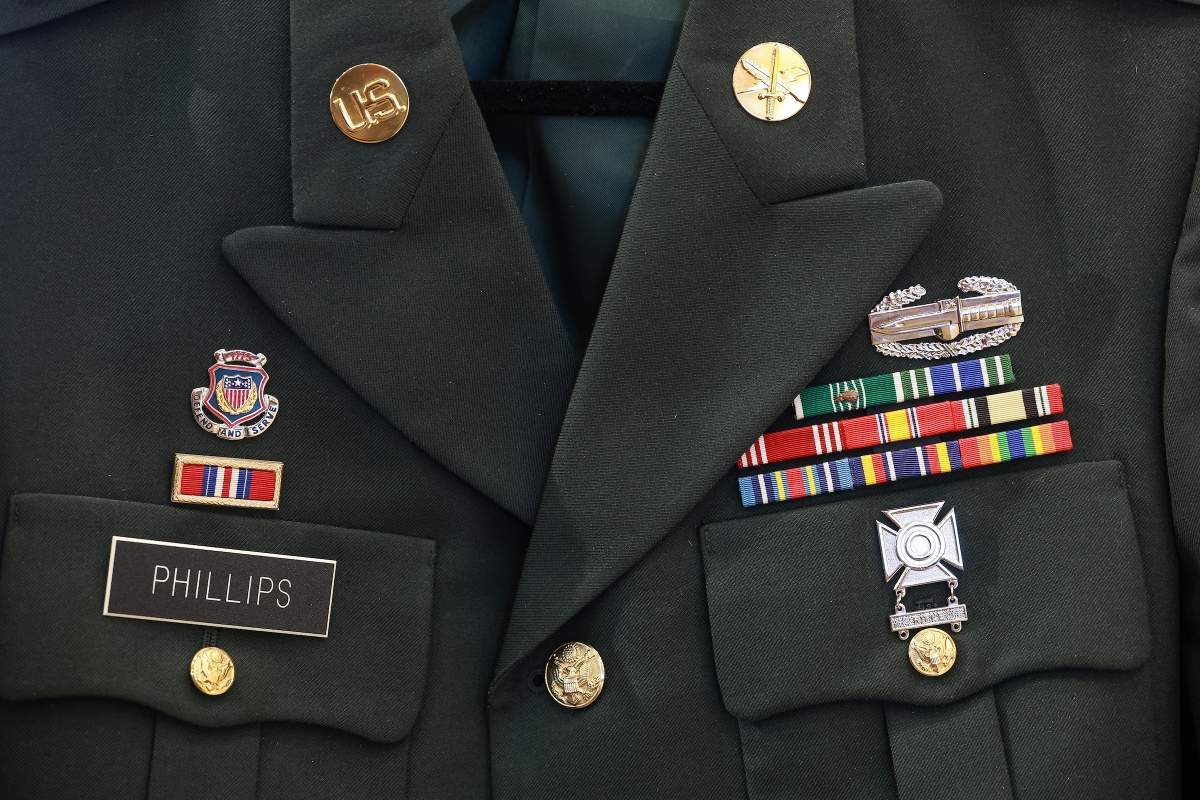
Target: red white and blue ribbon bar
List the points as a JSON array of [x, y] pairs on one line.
[[237, 482], [910, 384], [931, 459], [930, 419]]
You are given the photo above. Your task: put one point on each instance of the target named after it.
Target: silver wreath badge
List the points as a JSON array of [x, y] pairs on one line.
[[996, 313]]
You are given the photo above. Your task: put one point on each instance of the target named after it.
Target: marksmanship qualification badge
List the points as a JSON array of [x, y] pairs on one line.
[[236, 396], [920, 550]]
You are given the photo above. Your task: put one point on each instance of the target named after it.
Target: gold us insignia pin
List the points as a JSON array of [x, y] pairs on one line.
[[996, 313], [919, 550]]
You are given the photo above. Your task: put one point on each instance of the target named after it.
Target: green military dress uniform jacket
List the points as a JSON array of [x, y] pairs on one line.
[[171, 183]]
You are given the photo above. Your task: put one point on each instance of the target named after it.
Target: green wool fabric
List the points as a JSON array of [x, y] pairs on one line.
[[495, 481]]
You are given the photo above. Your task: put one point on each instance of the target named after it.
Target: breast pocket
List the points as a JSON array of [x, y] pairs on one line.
[[1044, 699], [363, 683]]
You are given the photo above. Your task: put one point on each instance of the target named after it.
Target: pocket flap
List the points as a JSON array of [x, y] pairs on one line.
[[798, 603], [367, 677]]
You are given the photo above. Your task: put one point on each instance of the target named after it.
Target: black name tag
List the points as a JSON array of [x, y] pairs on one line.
[[223, 588]]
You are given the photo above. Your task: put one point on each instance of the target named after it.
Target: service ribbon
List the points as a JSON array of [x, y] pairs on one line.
[[930, 419], [894, 465], [911, 384]]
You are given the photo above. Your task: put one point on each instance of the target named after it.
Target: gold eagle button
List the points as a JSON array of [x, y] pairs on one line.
[[369, 103], [574, 675], [212, 670], [932, 652], [771, 81]]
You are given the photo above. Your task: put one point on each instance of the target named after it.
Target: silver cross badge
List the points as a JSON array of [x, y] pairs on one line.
[[919, 551]]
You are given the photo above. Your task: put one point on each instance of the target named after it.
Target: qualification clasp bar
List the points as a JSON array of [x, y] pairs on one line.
[[996, 311]]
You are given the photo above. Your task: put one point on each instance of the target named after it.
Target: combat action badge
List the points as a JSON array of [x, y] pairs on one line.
[[236, 395], [919, 551], [996, 313]]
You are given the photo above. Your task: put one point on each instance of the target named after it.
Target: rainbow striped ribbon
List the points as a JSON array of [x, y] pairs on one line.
[[930, 419], [878, 390], [931, 459]]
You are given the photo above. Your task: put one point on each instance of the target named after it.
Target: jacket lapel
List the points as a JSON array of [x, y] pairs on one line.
[[723, 303], [439, 318]]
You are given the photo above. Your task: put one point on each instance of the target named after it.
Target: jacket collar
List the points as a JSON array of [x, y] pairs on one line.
[[428, 300], [726, 298], [744, 265]]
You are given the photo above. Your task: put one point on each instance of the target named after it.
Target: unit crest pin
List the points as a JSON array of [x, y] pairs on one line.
[[236, 395], [919, 551]]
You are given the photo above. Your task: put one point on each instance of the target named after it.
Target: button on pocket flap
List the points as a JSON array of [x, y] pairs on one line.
[[367, 677], [1052, 579]]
